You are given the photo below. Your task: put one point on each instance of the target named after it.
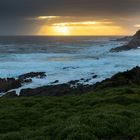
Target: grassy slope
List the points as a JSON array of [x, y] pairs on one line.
[[112, 114]]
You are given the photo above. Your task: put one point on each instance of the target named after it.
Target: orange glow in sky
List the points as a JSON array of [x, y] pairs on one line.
[[46, 17], [79, 28]]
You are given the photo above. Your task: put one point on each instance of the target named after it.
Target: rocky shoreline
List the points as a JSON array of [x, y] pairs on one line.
[[74, 87], [7, 84], [133, 43]]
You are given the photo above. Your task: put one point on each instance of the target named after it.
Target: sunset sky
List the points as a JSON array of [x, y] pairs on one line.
[[69, 17]]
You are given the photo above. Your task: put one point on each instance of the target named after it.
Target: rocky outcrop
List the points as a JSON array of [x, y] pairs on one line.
[[55, 82], [70, 88], [32, 75], [126, 38], [52, 90], [133, 44], [121, 79], [55, 89], [7, 84]]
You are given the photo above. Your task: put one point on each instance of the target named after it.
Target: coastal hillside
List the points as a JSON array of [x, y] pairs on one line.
[[133, 43], [111, 112]]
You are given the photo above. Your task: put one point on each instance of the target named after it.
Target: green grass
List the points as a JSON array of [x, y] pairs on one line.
[[111, 114]]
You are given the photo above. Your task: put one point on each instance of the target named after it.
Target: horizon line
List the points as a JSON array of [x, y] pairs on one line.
[[63, 35]]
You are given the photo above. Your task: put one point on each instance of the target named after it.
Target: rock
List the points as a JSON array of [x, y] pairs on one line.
[[56, 81], [94, 76], [29, 92], [82, 79], [67, 68], [32, 75], [121, 79], [133, 44], [11, 94], [126, 38], [51, 90], [73, 82], [57, 90], [27, 81], [8, 84], [87, 80]]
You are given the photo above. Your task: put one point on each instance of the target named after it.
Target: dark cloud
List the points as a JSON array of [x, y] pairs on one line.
[[14, 14], [68, 7]]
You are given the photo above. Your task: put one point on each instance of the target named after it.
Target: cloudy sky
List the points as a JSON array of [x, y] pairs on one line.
[[69, 17]]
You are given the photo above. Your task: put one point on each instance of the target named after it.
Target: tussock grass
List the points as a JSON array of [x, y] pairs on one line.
[[111, 114]]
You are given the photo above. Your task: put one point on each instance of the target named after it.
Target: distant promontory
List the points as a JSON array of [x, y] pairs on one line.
[[134, 43]]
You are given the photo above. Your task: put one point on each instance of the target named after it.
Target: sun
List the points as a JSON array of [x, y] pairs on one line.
[[81, 28], [57, 30], [61, 30]]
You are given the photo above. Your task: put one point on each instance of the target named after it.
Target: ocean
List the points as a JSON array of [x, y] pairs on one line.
[[64, 58]]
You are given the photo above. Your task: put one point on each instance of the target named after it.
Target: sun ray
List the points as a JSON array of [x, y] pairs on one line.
[[80, 28], [61, 30]]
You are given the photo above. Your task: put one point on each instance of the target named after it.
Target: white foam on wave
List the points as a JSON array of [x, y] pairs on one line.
[[82, 63]]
